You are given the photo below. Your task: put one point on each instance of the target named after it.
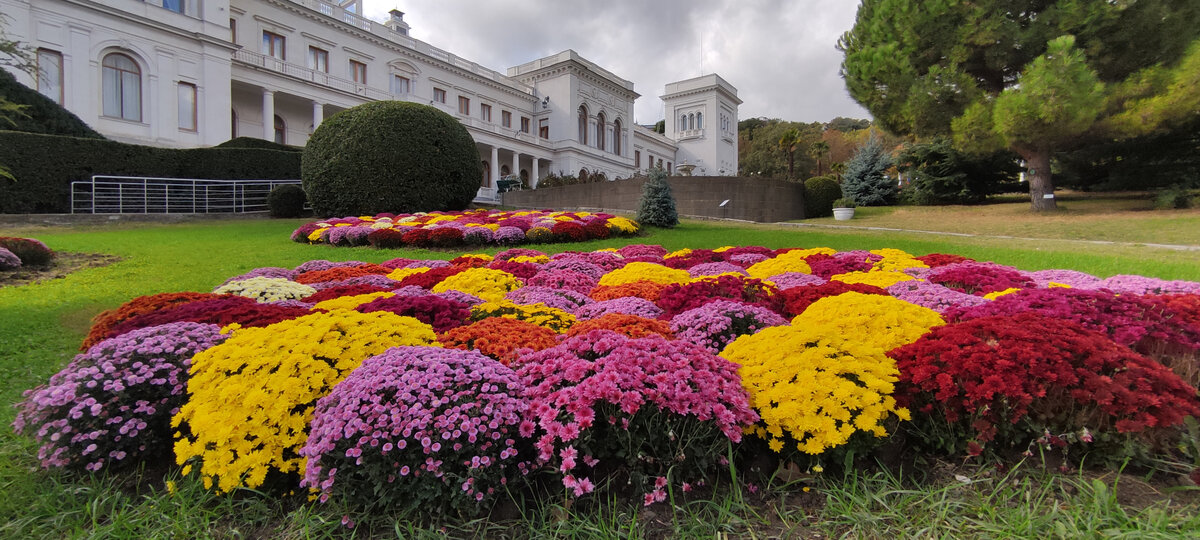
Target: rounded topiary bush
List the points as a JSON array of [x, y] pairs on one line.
[[286, 201], [390, 156], [819, 194]]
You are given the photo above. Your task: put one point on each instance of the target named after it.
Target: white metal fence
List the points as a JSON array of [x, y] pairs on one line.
[[141, 195]]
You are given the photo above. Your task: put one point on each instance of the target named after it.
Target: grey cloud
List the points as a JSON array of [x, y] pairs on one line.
[[780, 54]]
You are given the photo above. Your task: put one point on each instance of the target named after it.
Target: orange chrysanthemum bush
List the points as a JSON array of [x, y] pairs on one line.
[[103, 323], [1014, 381], [648, 290], [250, 398], [500, 338], [629, 325]]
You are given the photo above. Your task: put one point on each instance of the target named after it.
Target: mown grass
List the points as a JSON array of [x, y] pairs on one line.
[[42, 325]]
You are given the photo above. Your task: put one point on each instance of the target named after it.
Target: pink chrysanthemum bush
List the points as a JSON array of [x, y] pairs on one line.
[[606, 409], [1009, 380], [112, 406], [418, 427], [715, 324]]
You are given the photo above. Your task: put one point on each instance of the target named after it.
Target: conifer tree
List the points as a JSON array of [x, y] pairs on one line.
[[866, 180], [657, 205]]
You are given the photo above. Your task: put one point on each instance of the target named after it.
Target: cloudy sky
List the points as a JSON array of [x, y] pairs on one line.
[[779, 54]]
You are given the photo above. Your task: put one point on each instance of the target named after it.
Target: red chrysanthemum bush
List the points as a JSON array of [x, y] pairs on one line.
[[568, 231], [342, 290], [429, 278], [386, 238], [629, 325], [219, 311], [500, 338], [522, 270], [797, 299], [340, 273], [935, 260], [103, 323], [1008, 380], [648, 290], [979, 278], [441, 313], [697, 256], [678, 298]]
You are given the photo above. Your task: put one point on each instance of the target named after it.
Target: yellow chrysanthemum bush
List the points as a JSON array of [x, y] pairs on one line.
[[791, 261], [266, 289], [539, 314], [816, 390], [871, 319], [486, 283], [250, 399], [645, 271], [881, 279], [351, 302], [895, 260]]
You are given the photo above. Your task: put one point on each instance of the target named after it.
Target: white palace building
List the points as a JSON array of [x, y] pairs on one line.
[[190, 73]]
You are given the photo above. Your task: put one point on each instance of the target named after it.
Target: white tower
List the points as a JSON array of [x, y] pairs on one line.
[[701, 117]]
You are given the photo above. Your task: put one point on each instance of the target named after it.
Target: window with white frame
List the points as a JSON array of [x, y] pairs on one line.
[[358, 72], [50, 74], [318, 59], [122, 87], [485, 112], [187, 106], [401, 85], [273, 45]]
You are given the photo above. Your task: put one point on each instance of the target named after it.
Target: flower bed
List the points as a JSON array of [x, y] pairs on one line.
[[465, 228], [440, 384]]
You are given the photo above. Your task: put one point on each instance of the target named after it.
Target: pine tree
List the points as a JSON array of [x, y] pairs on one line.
[[657, 205], [866, 180]]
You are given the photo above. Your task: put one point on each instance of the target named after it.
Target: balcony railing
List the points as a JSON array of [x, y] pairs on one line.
[[302, 73]]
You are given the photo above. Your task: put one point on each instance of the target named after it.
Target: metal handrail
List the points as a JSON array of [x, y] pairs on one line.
[[105, 194]]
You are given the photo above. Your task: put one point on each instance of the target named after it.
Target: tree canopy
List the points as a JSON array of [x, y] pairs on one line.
[[1032, 76]]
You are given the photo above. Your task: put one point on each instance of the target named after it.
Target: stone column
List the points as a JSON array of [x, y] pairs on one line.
[[533, 173], [495, 179], [318, 114], [516, 165], [268, 114]]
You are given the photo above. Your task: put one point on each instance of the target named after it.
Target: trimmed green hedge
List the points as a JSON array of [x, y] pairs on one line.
[[819, 194], [41, 114], [259, 144], [45, 166]]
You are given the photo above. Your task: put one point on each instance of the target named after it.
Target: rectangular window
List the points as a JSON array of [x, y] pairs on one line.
[[174, 5], [401, 85], [358, 72], [233, 30], [318, 59], [544, 128], [524, 124], [485, 112], [439, 95], [668, 167], [637, 158], [464, 105], [272, 45], [50, 74], [187, 106], [506, 119]]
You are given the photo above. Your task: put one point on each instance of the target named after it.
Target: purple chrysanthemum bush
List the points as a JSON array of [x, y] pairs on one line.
[[331, 378]]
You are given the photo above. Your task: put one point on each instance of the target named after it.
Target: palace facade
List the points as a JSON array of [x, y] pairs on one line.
[[189, 73]]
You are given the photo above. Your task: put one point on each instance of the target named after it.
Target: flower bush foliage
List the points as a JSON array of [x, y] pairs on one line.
[[468, 227], [640, 365]]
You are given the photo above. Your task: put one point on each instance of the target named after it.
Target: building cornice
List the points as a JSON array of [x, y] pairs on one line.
[[153, 23], [578, 69]]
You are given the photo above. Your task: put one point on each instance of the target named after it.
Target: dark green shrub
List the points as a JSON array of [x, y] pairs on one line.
[[390, 156], [259, 144], [939, 174], [866, 180], [1174, 197], [45, 166], [40, 114], [286, 201], [819, 194], [30, 251], [657, 205]]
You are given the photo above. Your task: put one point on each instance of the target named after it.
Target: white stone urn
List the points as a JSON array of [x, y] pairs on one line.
[[843, 214]]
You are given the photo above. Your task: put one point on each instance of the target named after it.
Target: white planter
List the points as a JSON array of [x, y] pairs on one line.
[[843, 214]]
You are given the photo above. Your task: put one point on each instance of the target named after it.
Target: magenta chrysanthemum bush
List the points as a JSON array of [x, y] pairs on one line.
[[627, 305], [564, 299], [715, 324], [112, 406], [472, 227], [418, 427], [979, 278], [606, 407]]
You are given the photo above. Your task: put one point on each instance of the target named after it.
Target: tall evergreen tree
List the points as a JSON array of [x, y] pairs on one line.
[[1031, 76], [866, 180], [657, 205]]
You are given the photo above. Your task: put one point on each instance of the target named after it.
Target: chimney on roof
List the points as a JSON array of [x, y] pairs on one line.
[[396, 23]]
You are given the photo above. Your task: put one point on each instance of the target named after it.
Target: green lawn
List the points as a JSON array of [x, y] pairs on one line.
[[42, 325]]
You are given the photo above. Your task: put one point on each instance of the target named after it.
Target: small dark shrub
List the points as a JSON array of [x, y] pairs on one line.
[[30, 251], [286, 201], [819, 194], [390, 156]]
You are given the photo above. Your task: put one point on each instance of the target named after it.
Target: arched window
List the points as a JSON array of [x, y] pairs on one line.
[[122, 87], [617, 136], [280, 130], [683, 122], [232, 124], [505, 171], [583, 124], [600, 131], [699, 120], [525, 177], [691, 122], [487, 175]]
